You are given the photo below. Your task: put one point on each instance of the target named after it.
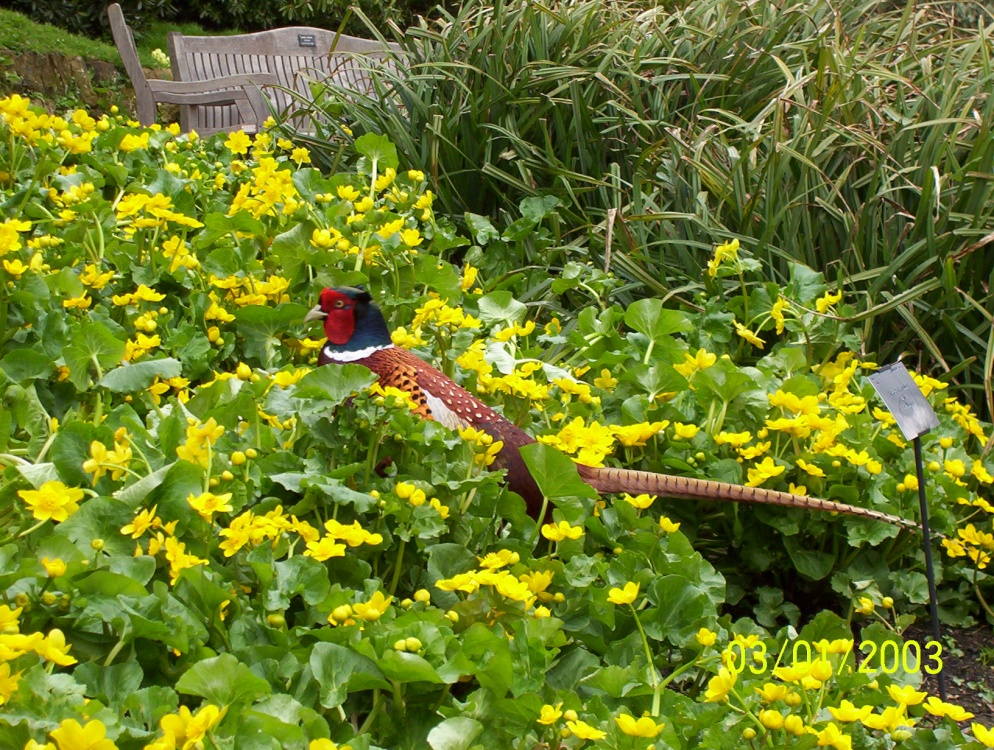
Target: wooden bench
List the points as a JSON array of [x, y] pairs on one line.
[[238, 93], [297, 56]]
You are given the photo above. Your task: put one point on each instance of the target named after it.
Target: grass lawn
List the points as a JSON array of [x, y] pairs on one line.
[[20, 34]]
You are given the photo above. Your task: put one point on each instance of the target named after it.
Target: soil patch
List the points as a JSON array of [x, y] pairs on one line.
[[968, 668]]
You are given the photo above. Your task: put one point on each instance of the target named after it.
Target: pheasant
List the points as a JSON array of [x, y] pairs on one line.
[[358, 334]]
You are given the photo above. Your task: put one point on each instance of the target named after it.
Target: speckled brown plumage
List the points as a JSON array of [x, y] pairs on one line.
[[400, 368]]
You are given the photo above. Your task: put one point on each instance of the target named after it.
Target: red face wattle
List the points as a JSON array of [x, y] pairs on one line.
[[339, 322]]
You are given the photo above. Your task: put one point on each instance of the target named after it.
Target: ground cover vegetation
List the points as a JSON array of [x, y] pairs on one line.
[[853, 138], [203, 546]]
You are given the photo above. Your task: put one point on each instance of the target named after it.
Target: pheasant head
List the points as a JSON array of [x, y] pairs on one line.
[[353, 325]]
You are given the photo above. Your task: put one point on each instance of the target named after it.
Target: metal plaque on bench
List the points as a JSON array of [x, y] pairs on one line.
[[307, 40]]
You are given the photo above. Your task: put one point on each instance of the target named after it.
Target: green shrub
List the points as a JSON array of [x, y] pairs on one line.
[[267, 14], [88, 17], [853, 140]]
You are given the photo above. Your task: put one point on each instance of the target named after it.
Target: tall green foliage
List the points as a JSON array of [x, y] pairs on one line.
[[853, 139]]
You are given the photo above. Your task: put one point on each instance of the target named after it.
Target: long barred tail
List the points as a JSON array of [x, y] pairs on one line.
[[607, 480]]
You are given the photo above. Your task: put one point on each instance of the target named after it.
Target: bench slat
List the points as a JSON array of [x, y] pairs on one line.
[[297, 56]]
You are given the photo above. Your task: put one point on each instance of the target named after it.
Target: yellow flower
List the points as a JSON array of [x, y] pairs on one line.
[[706, 637], [889, 719], [14, 267], [606, 381], [372, 610], [667, 525], [584, 731], [72, 736], [411, 237], [832, 736], [641, 502], [906, 695], [347, 192], [827, 300], [641, 727], [692, 363], [940, 708], [625, 595], [955, 468], [8, 683], [685, 431], [765, 469], [414, 495], [772, 692], [809, 468], [550, 714], [238, 142], [54, 568], [725, 251], [132, 142], [982, 734], [734, 439], [776, 312], [562, 530], [207, 504], [770, 719], [53, 648], [847, 712], [720, 686], [54, 501], [748, 335]]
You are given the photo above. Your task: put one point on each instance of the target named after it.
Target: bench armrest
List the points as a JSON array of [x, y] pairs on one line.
[[214, 84]]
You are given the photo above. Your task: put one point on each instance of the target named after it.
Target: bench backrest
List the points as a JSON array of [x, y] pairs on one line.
[[297, 55], [125, 42]]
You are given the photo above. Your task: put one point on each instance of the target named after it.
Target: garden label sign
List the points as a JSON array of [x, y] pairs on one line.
[[915, 416], [905, 400]]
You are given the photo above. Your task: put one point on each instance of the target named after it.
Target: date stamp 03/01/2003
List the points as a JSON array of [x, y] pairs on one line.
[[888, 657]]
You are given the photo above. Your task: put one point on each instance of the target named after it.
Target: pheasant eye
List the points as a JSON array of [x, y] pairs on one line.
[[339, 303]]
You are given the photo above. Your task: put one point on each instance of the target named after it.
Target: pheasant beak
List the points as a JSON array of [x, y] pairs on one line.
[[316, 313]]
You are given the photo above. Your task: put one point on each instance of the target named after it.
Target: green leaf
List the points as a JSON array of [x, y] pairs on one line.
[[555, 473], [340, 670], [71, 448], [378, 149], [483, 231], [262, 326], [223, 681], [537, 208], [501, 307], [26, 364], [109, 584], [811, 563], [680, 605], [404, 667], [38, 474], [647, 316], [295, 251], [218, 225], [110, 684], [457, 733], [300, 575], [139, 376], [92, 350], [334, 383]]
